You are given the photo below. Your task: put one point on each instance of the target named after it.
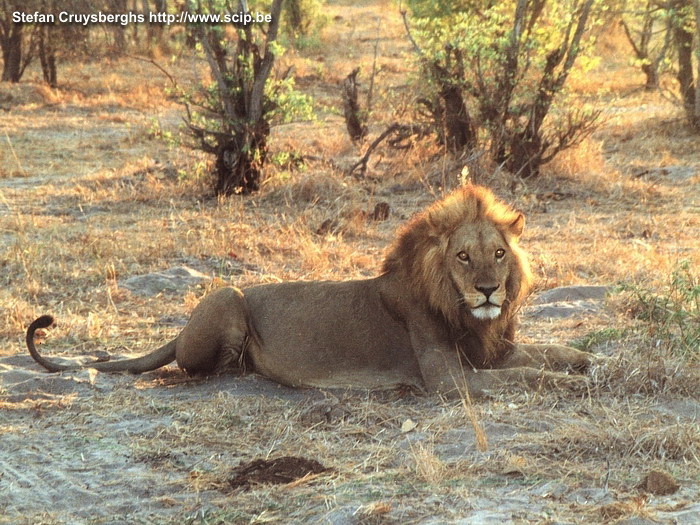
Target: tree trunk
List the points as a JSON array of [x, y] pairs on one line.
[[12, 55], [524, 155], [460, 133], [652, 76], [458, 130], [239, 166], [47, 56], [696, 110], [527, 148], [351, 108], [684, 45]]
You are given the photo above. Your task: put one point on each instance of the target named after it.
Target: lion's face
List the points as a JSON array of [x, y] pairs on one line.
[[462, 258], [479, 261]]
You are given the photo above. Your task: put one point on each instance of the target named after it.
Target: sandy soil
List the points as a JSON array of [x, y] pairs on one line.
[[97, 448]]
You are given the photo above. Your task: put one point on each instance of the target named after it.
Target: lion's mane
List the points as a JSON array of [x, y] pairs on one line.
[[419, 256]]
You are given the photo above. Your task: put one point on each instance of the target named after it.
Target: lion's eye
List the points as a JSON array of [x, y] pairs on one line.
[[500, 253], [463, 256]]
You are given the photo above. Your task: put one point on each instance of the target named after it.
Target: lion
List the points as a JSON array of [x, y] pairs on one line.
[[440, 317]]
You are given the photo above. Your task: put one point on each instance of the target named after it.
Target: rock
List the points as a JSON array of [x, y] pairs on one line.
[[680, 409], [482, 517], [458, 443], [173, 280], [571, 293], [18, 385], [324, 413], [550, 489], [346, 515], [567, 301], [562, 310]]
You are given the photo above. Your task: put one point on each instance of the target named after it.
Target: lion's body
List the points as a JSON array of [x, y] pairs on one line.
[[442, 312], [368, 348]]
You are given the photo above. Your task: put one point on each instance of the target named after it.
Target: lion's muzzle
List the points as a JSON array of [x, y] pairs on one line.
[[486, 311], [489, 298]]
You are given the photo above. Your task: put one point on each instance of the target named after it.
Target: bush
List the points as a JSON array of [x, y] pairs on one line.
[[672, 316], [303, 20], [508, 62], [232, 115]]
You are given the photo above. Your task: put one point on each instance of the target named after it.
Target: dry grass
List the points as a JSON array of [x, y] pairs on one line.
[[89, 197]]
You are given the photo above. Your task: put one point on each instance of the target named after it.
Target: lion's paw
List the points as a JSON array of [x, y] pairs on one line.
[[560, 381], [572, 383]]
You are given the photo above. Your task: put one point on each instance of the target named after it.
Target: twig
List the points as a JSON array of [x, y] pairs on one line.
[[357, 129], [370, 92], [14, 153], [416, 47], [362, 163], [180, 99], [157, 65]]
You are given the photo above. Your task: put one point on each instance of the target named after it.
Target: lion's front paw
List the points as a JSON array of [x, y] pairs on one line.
[[559, 357], [556, 380], [571, 382]]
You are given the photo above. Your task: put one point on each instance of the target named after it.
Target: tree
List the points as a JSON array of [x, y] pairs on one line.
[[509, 61], [22, 42], [647, 26], [17, 46], [233, 121], [686, 30]]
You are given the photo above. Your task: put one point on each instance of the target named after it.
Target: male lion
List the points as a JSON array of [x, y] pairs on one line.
[[440, 316]]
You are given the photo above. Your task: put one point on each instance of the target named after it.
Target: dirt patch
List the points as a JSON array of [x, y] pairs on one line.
[[274, 471], [659, 483]]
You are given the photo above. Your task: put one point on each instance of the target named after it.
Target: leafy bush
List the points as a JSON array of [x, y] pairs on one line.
[[302, 21], [509, 62], [673, 315], [230, 117]]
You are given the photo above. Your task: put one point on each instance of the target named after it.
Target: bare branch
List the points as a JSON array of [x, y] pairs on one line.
[[416, 47], [362, 163], [255, 109]]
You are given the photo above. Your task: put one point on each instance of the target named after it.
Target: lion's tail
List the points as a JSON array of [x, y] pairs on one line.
[[160, 357]]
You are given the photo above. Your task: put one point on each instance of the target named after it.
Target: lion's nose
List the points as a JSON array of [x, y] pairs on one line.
[[487, 289]]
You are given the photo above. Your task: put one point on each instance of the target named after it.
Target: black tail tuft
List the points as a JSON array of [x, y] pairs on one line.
[[42, 322]]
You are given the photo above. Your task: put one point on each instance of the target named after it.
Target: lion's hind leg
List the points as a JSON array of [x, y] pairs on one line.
[[215, 336]]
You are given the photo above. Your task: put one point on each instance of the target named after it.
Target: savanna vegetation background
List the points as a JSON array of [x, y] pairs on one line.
[[293, 150]]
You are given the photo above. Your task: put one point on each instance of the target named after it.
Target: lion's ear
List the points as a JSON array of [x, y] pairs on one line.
[[517, 226]]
